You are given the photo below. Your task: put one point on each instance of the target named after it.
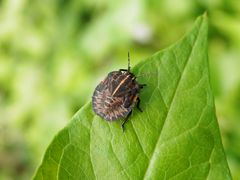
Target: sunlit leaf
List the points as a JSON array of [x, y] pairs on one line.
[[176, 136]]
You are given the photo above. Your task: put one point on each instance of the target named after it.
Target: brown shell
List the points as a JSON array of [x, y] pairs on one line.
[[115, 96]]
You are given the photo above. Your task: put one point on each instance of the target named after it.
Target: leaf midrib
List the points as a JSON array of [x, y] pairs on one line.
[[158, 139]]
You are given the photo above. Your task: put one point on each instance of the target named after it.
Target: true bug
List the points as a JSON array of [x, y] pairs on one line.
[[116, 95]]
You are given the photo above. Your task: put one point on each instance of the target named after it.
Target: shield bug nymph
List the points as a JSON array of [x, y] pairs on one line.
[[116, 95]]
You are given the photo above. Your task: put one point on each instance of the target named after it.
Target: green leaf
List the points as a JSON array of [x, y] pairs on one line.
[[176, 137]]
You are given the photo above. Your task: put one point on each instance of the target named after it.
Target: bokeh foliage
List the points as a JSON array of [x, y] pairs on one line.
[[53, 53]]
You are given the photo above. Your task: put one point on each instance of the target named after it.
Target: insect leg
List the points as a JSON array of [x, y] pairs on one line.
[[125, 120], [142, 85], [123, 70], [138, 105]]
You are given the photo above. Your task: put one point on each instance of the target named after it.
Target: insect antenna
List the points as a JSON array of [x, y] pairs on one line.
[[129, 62]]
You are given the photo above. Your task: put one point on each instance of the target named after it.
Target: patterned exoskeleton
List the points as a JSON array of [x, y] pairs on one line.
[[116, 95]]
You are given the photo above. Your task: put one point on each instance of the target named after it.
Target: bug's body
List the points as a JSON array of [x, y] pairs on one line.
[[116, 95]]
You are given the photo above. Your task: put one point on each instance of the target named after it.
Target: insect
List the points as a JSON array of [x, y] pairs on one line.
[[116, 95]]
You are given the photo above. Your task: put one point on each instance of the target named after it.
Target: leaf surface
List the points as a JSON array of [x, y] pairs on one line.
[[176, 137]]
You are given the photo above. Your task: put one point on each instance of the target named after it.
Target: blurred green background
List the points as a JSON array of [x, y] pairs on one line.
[[53, 53]]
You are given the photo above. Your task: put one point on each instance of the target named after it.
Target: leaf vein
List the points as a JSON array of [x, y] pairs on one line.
[[123, 169], [185, 65], [134, 130]]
